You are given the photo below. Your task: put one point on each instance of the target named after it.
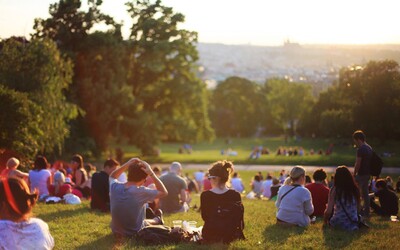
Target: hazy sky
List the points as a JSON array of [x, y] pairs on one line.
[[257, 22]]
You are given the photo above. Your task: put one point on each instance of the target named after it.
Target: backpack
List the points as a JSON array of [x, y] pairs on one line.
[[376, 164]]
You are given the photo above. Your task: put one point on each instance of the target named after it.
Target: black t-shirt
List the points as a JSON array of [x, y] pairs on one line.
[[222, 215], [365, 153], [100, 192], [389, 201]]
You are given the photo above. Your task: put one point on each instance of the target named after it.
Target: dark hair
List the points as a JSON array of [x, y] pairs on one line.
[[111, 163], [319, 175], [308, 179], [78, 159], [359, 135], [257, 178], [235, 175], [24, 200], [222, 169], [269, 177], [156, 169], [40, 163], [346, 187], [135, 172], [381, 183]]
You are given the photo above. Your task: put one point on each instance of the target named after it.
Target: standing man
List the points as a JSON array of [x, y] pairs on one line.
[[176, 187], [362, 168], [128, 200]]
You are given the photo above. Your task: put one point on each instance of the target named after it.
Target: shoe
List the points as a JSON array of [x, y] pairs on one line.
[[159, 214]]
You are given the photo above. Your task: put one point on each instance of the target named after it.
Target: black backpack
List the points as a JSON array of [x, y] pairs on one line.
[[376, 164]]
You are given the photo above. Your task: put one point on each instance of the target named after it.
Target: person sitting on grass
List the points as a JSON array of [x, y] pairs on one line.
[[256, 186], [387, 198], [343, 201], [11, 170], [221, 208], [266, 187], [319, 192], [40, 177], [17, 229], [274, 189], [128, 200], [176, 186], [100, 191], [60, 188], [294, 201]]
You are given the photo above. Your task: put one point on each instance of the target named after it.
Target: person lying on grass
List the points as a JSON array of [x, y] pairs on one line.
[[17, 229], [128, 200], [294, 202]]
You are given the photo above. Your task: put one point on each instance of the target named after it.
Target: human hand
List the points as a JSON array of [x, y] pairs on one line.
[[146, 168]]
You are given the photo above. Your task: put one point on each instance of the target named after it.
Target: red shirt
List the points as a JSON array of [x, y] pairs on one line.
[[319, 194], [64, 189], [206, 184]]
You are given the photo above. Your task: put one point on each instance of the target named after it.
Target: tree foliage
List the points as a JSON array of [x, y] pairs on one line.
[[236, 107], [38, 74]]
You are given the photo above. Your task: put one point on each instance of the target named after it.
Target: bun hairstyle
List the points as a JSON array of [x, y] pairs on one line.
[[16, 201], [295, 175], [222, 169]]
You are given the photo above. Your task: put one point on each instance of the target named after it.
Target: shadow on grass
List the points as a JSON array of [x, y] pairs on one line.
[[105, 242], [279, 233], [63, 214], [336, 238]]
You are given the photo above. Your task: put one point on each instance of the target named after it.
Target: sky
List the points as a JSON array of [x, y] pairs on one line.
[[256, 22]]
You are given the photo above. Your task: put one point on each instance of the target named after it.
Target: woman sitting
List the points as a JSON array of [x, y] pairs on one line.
[[221, 208], [17, 228], [40, 177], [294, 201], [343, 201], [80, 175]]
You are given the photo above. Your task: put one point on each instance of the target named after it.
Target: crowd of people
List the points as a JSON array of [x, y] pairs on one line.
[[139, 199]]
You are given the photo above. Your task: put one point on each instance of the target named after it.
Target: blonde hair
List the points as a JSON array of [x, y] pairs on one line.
[[12, 163]]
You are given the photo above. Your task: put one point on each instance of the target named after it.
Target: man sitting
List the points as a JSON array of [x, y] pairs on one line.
[[388, 200], [128, 200], [176, 187], [319, 192], [100, 187]]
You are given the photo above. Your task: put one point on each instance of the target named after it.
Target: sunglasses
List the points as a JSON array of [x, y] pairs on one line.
[[211, 177]]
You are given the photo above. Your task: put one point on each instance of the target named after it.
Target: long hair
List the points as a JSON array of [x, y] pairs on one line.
[[40, 163], [78, 159], [346, 186], [222, 169]]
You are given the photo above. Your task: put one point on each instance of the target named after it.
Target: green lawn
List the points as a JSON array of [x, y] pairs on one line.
[[343, 152], [77, 227]]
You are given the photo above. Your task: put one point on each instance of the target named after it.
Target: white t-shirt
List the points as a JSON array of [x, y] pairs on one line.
[[31, 234], [199, 176], [38, 180], [296, 206], [237, 184], [266, 188]]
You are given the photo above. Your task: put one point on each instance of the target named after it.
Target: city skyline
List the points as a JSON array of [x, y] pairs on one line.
[[254, 22]]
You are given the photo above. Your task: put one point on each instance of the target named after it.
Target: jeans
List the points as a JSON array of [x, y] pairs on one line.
[[363, 182]]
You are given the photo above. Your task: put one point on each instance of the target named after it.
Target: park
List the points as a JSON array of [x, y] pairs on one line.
[[131, 79]]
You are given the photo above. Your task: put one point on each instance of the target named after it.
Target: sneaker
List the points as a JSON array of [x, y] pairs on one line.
[[159, 214]]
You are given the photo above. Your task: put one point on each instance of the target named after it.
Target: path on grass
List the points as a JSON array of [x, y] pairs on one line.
[[275, 168]]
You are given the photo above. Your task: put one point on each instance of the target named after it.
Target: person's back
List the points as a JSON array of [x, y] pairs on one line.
[[237, 184], [296, 206], [389, 201], [221, 226], [174, 184], [100, 198], [319, 194], [345, 215], [266, 187], [39, 180]]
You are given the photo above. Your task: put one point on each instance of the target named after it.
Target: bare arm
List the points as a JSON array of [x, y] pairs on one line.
[[183, 195], [21, 174], [162, 191], [357, 165], [329, 208]]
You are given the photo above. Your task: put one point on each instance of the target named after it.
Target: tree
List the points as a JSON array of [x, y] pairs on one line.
[[39, 74], [288, 102], [170, 101], [236, 104]]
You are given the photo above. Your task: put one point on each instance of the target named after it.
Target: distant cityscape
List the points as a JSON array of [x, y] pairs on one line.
[[318, 65]]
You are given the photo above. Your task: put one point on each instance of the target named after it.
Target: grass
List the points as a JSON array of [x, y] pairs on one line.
[[343, 152], [77, 227]]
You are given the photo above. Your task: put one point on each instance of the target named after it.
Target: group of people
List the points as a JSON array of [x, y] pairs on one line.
[[139, 200]]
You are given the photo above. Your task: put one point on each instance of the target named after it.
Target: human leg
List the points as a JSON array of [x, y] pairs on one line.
[[363, 182]]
